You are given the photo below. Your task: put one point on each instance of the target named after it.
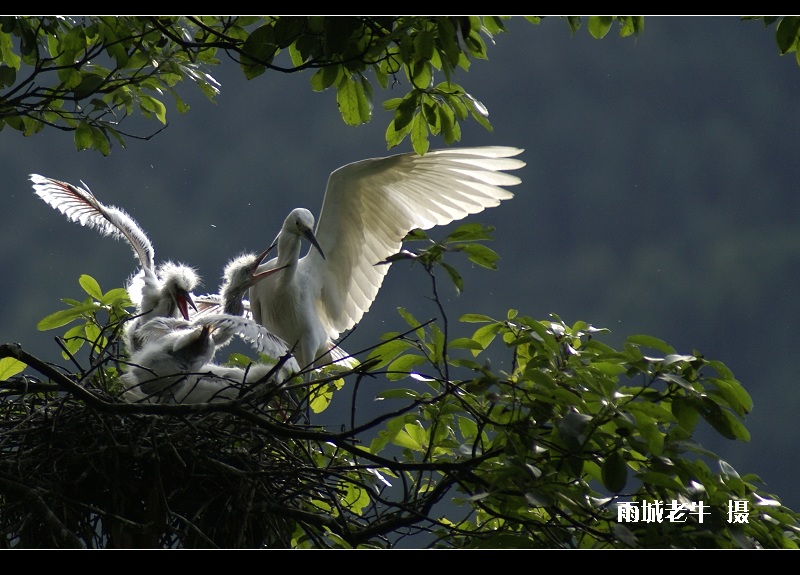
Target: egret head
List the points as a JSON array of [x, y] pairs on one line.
[[179, 281], [241, 274], [301, 222]]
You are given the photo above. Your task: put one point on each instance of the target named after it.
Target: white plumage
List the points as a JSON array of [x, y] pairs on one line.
[[368, 208], [172, 350], [174, 360], [163, 291], [178, 366]]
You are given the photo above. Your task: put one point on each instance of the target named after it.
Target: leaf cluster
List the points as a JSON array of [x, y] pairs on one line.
[[87, 74]]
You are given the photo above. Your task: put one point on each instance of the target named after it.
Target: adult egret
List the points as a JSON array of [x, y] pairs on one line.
[[163, 291], [368, 208]]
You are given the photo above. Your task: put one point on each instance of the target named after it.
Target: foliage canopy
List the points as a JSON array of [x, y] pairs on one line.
[[88, 74]]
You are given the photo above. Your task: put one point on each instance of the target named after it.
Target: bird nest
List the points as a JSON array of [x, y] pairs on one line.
[[80, 467]]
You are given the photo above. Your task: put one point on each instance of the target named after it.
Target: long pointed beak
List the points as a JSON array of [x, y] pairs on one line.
[[311, 238], [262, 256], [258, 275]]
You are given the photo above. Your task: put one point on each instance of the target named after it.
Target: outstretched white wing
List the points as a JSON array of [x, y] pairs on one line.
[[371, 205], [261, 339], [81, 206]]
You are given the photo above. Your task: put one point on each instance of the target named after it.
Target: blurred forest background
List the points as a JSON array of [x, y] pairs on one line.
[[659, 197]]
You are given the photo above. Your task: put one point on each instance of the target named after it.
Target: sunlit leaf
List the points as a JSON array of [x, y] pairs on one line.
[[10, 367]]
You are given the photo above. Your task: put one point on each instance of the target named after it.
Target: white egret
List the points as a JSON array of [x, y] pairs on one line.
[[164, 362], [368, 209], [223, 327], [177, 364], [163, 291]]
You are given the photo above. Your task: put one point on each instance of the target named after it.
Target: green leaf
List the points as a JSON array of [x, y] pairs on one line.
[[615, 472], [723, 421], [83, 136], [648, 428], [260, 47], [470, 232], [355, 497], [10, 367], [8, 76], [735, 395], [63, 317], [326, 77], [485, 335], [90, 286], [651, 342], [475, 318], [481, 255], [661, 480], [7, 53], [600, 25], [413, 436], [572, 429], [388, 350], [787, 34], [419, 135], [423, 45], [454, 275], [657, 412], [406, 111], [412, 321], [116, 297], [421, 75], [404, 365], [465, 343], [74, 339], [320, 398], [100, 141], [468, 428], [354, 105], [150, 104], [685, 413], [398, 394]]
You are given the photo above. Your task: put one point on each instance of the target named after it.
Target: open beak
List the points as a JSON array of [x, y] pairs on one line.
[[259, 275], [184, 300]]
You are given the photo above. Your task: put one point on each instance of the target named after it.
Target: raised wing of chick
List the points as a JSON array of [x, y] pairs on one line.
[[157, 291]]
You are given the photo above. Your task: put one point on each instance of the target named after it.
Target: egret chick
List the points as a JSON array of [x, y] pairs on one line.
[[157, 292], [177, 366]]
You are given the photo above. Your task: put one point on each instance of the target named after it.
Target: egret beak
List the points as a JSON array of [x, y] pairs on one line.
[[257, 275], [183, 301], [309, 235]]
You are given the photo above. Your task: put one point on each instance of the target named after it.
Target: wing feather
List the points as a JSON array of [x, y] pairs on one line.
[[371, 205]]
